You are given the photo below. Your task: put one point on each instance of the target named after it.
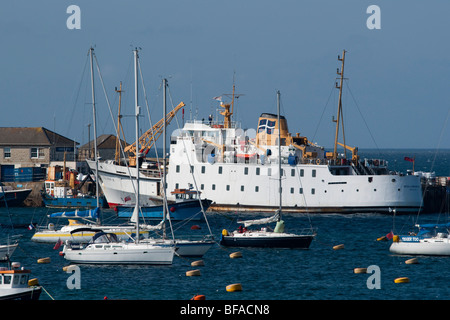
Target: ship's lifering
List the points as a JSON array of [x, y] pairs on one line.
[[318, 161], [376, 162]]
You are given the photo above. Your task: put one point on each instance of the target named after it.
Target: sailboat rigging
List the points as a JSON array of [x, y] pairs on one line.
[[105, 248], [265, 238]]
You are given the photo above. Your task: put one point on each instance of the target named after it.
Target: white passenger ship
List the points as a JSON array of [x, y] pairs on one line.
[[239, 172]]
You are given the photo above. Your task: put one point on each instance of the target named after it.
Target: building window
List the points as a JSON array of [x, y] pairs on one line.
[[292, 190], [7, 152], [313, 191], [269, 172], [213, 187], [246, 170], [242, 188], [178, 169], [302, 172], [203, 169], [220, 170], [202, 186], [257, 171], [293, 172], [37, 153], [256, 189], [300, 190], [314, 173], [177, 185], [228, 187]]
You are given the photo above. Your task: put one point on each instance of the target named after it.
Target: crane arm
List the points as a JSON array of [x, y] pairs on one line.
[[148, 139]]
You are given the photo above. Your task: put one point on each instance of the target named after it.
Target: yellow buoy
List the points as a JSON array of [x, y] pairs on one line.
[[44, 260], [396, 238], [225, 232], [360, 270], [338, 247], [237, 254], [192, 273], [33, 282], [412, 261], [234, 287], [197, 263], [402, 280]]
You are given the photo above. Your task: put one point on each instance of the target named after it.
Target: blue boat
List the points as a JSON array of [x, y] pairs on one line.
[[65, 197], [70, 202], [186, 206]]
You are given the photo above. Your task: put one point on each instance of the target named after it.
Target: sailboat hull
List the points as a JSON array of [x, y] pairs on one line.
[[252, 239], [120, 253], [414, 246], [189, 209]]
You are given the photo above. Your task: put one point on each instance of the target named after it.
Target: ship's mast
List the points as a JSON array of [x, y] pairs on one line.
[[340, 115], [279, 150], [119, 125]]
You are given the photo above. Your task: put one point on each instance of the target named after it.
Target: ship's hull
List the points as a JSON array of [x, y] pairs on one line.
[[232, 189], [118, 184], [13, 198]]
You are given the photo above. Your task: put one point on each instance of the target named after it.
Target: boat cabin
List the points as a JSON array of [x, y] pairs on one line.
[[16, 277], [185, 194]]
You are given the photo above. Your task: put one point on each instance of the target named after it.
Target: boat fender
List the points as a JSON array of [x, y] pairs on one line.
[[199, 297], [234, 287], [396, 238], [44, 260], [235, 255], [197, 263], [225, 232], [412, 261], [192, 273], [402, 280], [338, 247], [360, 270], [172, 209], [33, 282]]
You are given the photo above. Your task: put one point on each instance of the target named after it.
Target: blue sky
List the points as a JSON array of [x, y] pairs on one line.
[[395, 95]]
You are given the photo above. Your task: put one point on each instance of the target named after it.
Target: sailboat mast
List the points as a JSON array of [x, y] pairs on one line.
[[279, 148], [339, 113], [164, 154], [137, 111], [91, 53]]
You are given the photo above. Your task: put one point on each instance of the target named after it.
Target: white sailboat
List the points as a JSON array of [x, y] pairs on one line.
[[86, 229], [105, 248], [431, 239], [266, 237]]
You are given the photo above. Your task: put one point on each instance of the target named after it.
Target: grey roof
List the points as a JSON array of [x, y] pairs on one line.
[[39, 136], [105, 141]]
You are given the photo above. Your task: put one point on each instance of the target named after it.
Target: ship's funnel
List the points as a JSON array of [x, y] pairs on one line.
[[267, 133]]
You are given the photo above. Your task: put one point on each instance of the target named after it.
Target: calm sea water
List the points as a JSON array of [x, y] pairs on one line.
[[319, 273]]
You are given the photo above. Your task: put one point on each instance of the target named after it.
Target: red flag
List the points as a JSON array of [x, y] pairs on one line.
[[409, 159], [57, 245], [390, 235]]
